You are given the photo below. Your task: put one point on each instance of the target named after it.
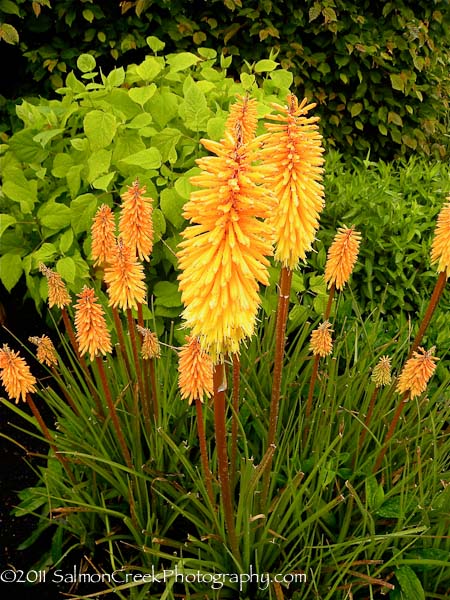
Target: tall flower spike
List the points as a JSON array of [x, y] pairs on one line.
[[223, 256], [440, 250], [381, 374], [57, 291], [321, 340], [15, 374], [103, 235], [417, 372], [92, 334], [294, 150], [150, 345], [195, 369], [46, 353], [135, 223], [342, 257], [244, 118], [124, 276]]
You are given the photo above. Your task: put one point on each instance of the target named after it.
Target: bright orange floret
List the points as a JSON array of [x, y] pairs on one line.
[[293, 149], [103, 235], [195, 369], [46, 353], [321, 340], [381, 374], [124, 276], [342, 257], [57, 291], [135, 224], [223, 256], [417, 372], [150, 345], [15, 374], [243, 119], [92, 333], [440, 250]]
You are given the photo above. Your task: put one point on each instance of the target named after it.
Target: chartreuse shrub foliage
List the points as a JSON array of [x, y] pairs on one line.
[[80, 151], [378, 69]]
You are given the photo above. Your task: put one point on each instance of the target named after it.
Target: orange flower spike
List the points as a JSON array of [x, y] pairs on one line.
[[150, 345], [243, 117], [103, 235], [135, 223], [321, 340], [440, 250], [92, 334], [15, 374], [124, 276], [417, 372], [57, 291], [195, 371], [294, 150], [381, 374], [46, 353], [342, 257], [223, 256]]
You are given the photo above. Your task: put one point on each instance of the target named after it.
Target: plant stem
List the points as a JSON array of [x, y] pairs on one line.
[[391, 430], [234, 422], [113, 413], [434, 300], [151, 364], [280, 338], [203, 450], [222, 454], [67, 396], [140, 315], [134, 346], [368, 418], [120, 335], [326, 316], [49, 437]]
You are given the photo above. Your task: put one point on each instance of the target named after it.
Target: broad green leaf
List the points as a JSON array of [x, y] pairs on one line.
[[166, 142], [149, 68], [172, 206], [100, 128], [73, 177], [102, 183], [44, 254], [409, 583], [150, 158], [216, 127], [356, 109], [394, 117], [248, 81], [116, 77], [397, 82], [44, 137], [164, 107], [282, 79], [61, 164], [86, 63], [8, 33], [139, 121], [120, 101], [9, 7], [20, 190], [82, 210], [66, 268], [155, 44], [66, 240], [181, 61], [126, 144], [10, 270], [74, 84], [159, 224], [141, 95], [265, 65], [167, 294], [5, 222], [80, 144], [54, 215], [183, 185], [194, 110], [98, 163], [26, 149], [30, 115]]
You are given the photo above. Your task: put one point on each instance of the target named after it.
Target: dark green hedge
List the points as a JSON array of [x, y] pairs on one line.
[[379, 70]]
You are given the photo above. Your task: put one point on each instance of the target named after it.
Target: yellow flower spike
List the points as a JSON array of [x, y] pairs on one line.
[[223, 256], [15, 374], [103, 235], [57, 291], [381, 374], [321, 340], [417, 372], [150, 345], [135, 223], [440, 250], [46, 353], [195, 369], [342, 257], [124, 276], [243, 117], [91, 331], [293, 149]]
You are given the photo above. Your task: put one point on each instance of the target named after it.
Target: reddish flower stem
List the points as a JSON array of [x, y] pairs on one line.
[[203, 450], [121, 337], [49, 437], [134, 347], [222, 454], [113, 413], [154, 396], [140, 316], [280, 339], [391, 430], [234, 422]]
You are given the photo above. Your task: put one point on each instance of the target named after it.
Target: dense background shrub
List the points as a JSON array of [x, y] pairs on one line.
[[378, 70]]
